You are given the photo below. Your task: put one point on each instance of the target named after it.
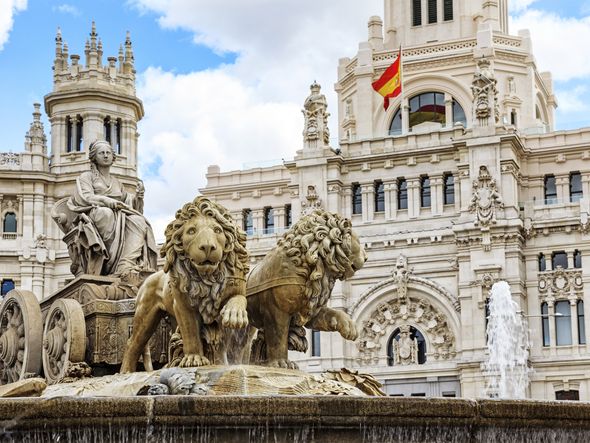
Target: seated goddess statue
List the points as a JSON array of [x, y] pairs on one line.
[[106, 231]]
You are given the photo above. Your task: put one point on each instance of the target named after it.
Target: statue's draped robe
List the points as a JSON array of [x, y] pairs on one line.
[[124, 237]]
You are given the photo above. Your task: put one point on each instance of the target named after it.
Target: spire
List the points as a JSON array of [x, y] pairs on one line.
[[58, 62], [87, 52], [121, 58], [35, 140], [99, 52], [93, 36]]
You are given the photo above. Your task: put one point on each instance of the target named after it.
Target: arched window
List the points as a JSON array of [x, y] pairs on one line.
[[396, 124], [405, 353], [7, 286], [9, 225], [545, 323], [458, 114], [581, 325]]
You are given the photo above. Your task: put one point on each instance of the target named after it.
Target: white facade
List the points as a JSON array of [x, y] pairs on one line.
[[89, 101], [468, 198]]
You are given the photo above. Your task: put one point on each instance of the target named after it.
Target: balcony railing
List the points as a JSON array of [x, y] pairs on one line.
[[9, 235]]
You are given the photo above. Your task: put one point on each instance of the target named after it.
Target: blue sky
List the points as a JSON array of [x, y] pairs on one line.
[[223, 83]]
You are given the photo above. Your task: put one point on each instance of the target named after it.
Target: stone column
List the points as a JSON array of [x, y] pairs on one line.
[[38, 210], [347, 203], [390, 189], [93, 125], [574, 324], [279, 218], [562, 185], [413, 197], [258, 221], [436, 194], [551, 314], [334, 198], [368, 194], [405, 116], [27, 216]]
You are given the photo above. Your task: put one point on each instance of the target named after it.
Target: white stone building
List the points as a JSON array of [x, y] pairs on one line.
[[90, 100], [460, 183]]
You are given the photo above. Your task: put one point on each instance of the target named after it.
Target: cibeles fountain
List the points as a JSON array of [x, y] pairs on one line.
[[207, 359]]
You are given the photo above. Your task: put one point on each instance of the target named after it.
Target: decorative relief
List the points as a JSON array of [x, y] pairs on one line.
[[401, 276], [9, 159], [311, 202], [405, 350], [561, 283], [485, 199], [401, 312], [485, 93]]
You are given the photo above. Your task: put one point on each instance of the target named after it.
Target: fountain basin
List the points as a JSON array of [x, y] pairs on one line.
[[290, 418]]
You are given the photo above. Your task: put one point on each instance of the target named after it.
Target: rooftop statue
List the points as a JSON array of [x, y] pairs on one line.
[[105, 229]]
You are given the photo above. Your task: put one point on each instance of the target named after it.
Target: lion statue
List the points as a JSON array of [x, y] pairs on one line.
[[202, 284], [289, 289]]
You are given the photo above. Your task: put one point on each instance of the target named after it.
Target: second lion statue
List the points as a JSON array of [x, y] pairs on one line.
[[203, 282]]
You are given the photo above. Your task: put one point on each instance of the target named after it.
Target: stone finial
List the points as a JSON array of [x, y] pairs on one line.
[[316, 118]]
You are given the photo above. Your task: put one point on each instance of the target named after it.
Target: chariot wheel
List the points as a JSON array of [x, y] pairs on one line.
[[64, 338], [20, 336]]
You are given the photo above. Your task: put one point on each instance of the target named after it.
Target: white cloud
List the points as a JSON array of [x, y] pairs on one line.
[[247, 111], [558, 42], [8, 9], [66, 8]]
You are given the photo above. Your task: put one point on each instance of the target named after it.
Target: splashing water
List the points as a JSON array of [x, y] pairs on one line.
[[506, 366]]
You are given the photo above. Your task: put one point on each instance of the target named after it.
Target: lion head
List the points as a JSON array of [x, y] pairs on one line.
[[324, 249], [204, 248]]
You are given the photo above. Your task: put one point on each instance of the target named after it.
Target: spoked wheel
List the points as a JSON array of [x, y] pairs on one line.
[[64, 338], [20, 336]]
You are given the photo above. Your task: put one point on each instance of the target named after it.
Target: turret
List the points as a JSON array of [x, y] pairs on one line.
[[35, 155], [90, 101]]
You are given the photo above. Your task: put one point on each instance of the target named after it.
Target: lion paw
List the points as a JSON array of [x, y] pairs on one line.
[[344, 324], [192, 360], [282, 363], [234, 313]]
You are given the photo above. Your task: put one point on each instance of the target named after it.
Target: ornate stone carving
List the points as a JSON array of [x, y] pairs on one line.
[[9, 159], [316, 116], [311, 202], [405, 350], [561, 283], [397, 313], [485, 93], [401, 276], [486, 199]]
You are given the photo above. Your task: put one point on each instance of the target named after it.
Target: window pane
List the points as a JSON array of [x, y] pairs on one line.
[[69, 134], [288, 216], [269, 220], [425, 192], [357, 199], [581, 325], [10, 222], [449, 191], [459, 114], [567, 395], [80, 134], [396, 124], [315, 344], [107, 129], [247, 221], [542, 263], [427, 107], [577, 259], [379, 197], [448, 10], [575, 187], [550, 190], [559, 259], [7, 286], [402, 194], [563, 323], [432, 16], [545, 324], [416, 12]]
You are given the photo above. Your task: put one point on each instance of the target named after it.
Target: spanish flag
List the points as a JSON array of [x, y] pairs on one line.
[[389, 84]]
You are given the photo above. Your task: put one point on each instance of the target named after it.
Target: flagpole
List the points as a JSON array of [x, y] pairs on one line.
[[403, 97]]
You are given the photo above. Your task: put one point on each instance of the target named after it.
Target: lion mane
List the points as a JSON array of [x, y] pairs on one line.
[[204, 292], [319, 245]]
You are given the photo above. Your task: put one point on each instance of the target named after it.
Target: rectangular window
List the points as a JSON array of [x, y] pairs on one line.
[[448, 10], [449, 394], [577, 259], [425, 192], [107, 129], [418, 394], [402, 194], [269, 220], [542, 263], [432, 15], [416, 12], [117, 146], [379, 196], [247, 221], [567, 395], [7, 286], [357, 199], [315, 343], [288, 216], [69, 134], [449, 189], [559, 258], [563, 323], [79, 134], [550, 190], [575, 187], [545, 324]]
